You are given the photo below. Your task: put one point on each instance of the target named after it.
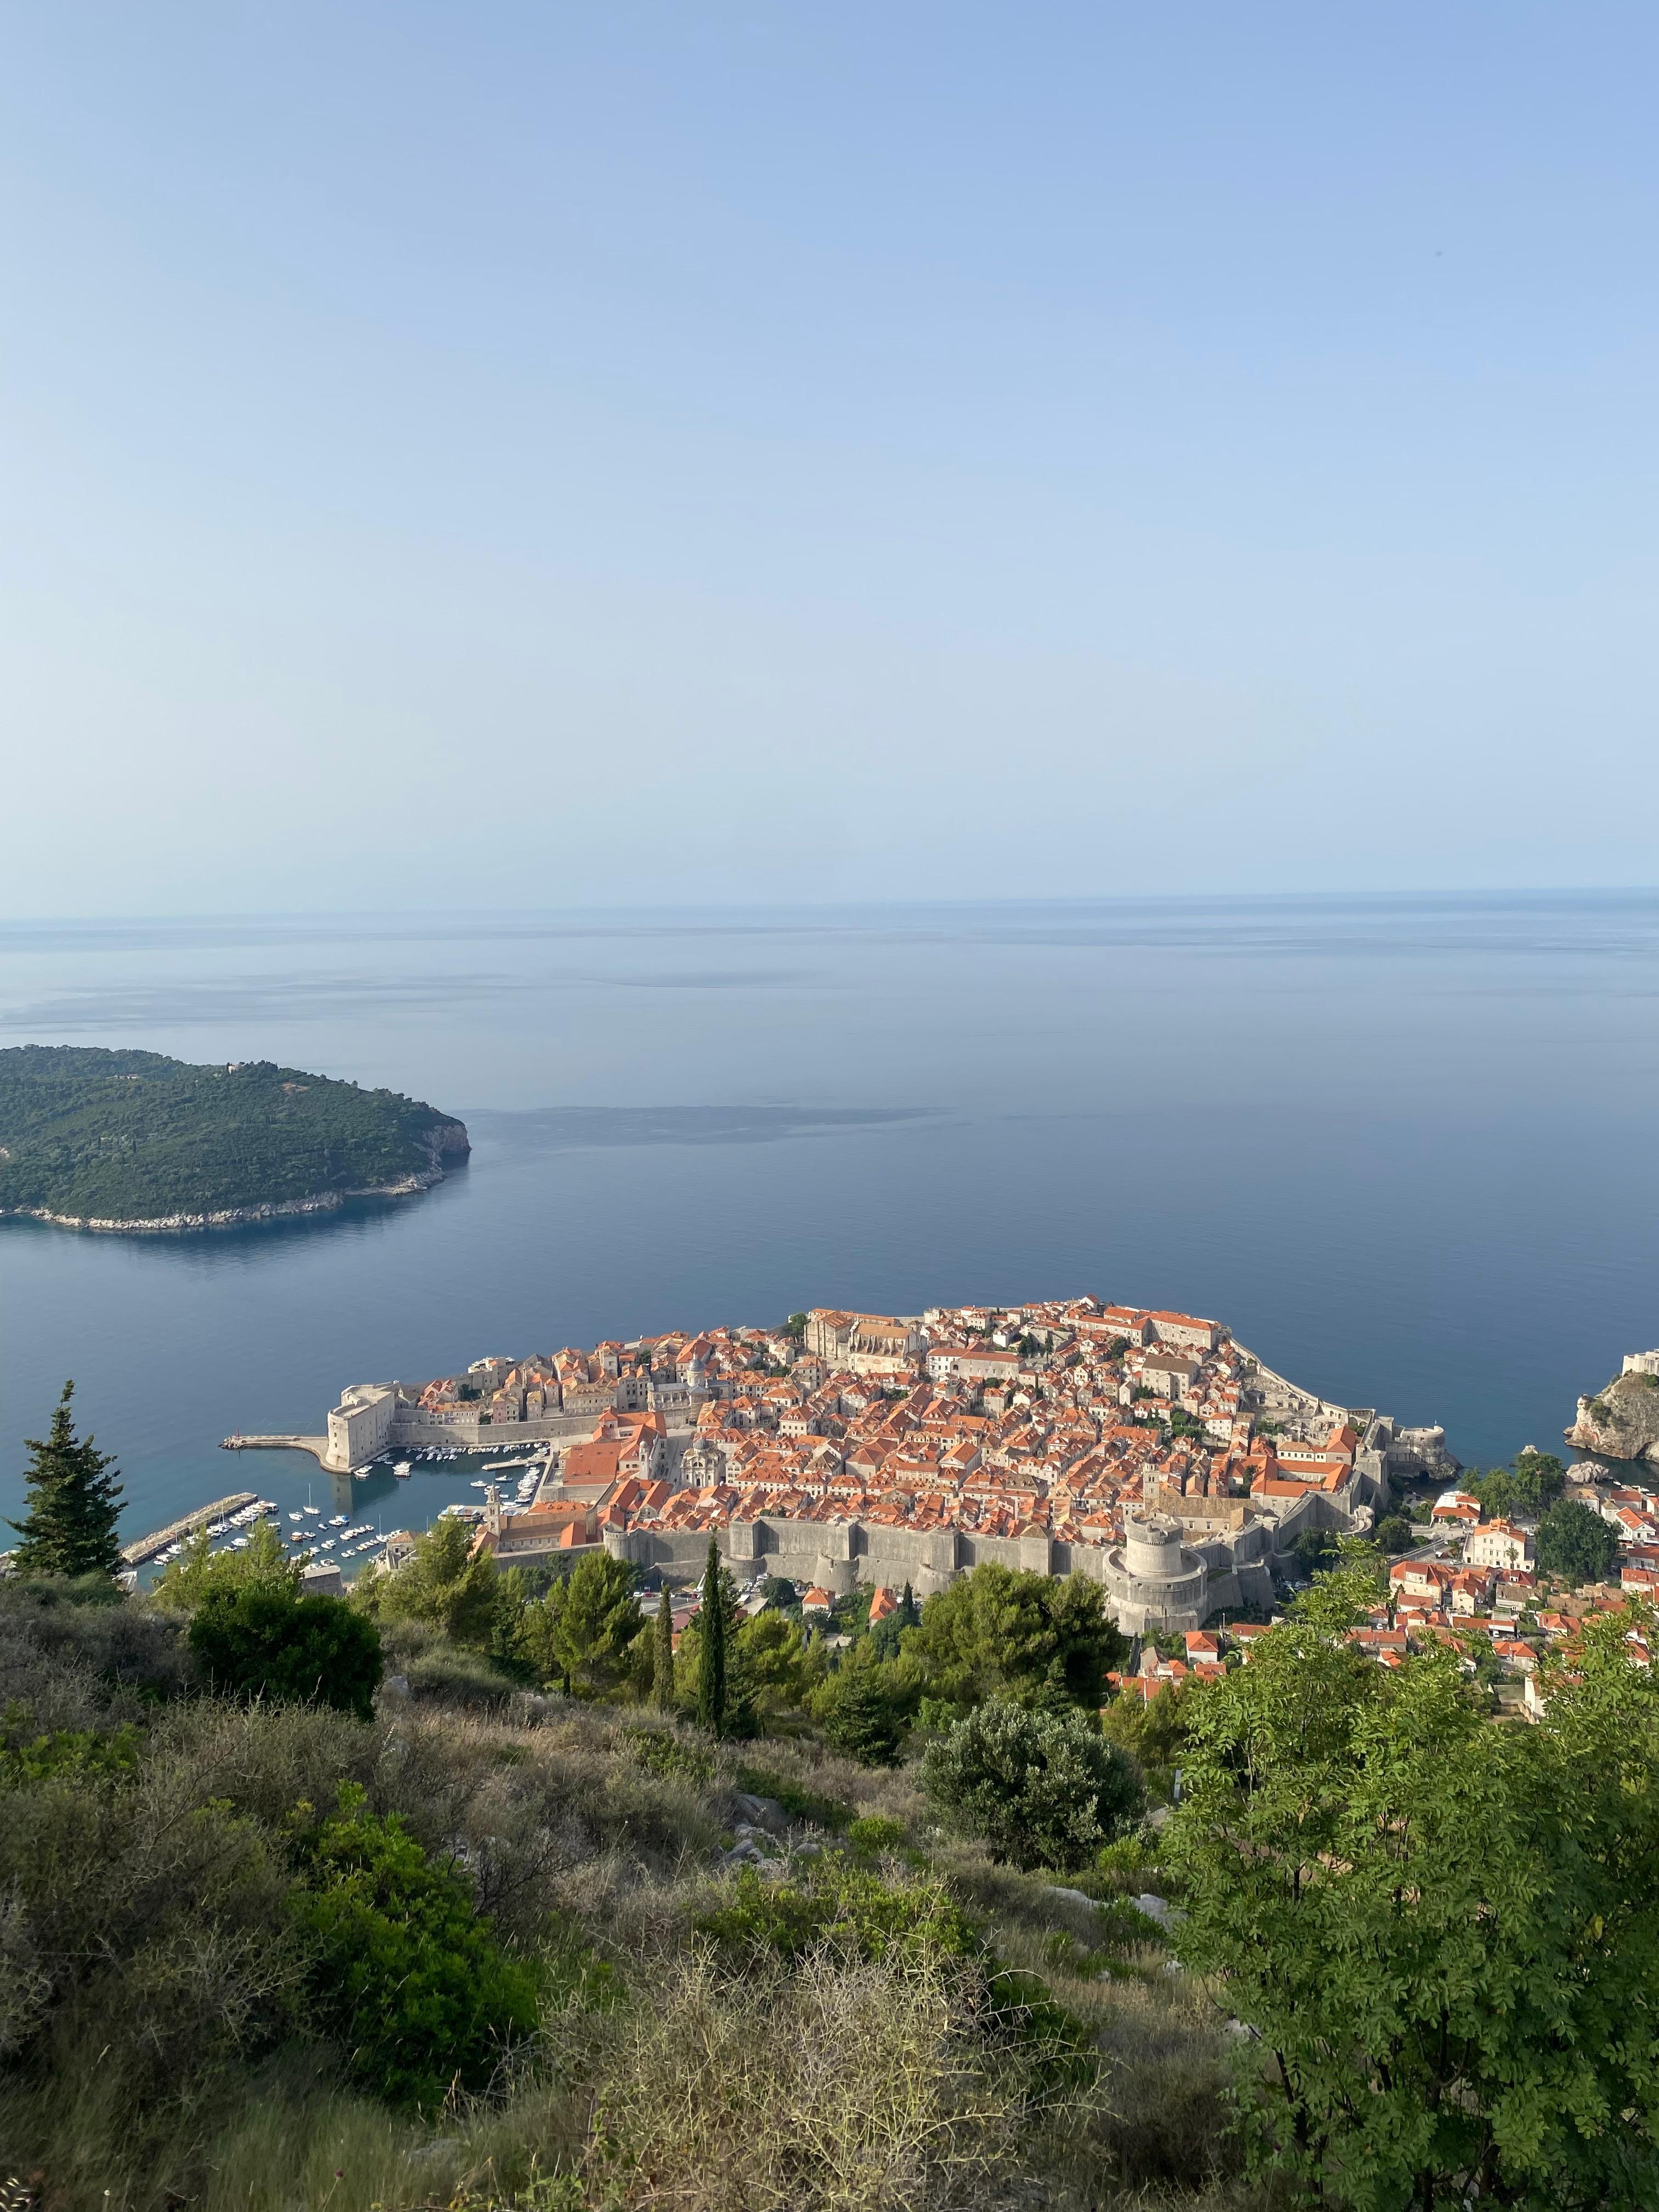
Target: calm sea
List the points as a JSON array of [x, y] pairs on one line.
[[1407, 1149]]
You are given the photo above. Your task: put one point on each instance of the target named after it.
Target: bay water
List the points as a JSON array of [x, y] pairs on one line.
[[1406, 1148]]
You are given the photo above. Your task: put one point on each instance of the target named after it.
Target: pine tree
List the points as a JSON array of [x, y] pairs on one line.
[[74, 1504], [662, 1679], [711, 1647], [858, 1719]]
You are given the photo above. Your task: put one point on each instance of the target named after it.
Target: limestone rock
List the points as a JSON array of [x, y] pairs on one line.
[[1621, 1421], [760, 1812]]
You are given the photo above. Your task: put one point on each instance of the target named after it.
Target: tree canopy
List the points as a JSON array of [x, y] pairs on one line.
[[1575, 1543], [579, 1636], [260, 1641], [446, 1583], [1041, 1789], [1530, 1487], [75, 1503], [1025, 1637], [1445, 1933], [199, 1572], [858, 1716], [714, 1625]]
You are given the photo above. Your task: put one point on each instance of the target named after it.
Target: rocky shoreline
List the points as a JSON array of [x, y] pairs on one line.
[[451, 1138], [1621, 1421]]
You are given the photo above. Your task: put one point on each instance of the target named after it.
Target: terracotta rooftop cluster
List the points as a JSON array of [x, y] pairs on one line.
[[1038, 1419]]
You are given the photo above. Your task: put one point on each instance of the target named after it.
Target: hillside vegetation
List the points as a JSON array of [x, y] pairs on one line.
[[493, 1946], [134, 1136], [466, 1893]]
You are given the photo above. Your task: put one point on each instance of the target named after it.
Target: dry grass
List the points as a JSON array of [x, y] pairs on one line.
[[842, 2084]]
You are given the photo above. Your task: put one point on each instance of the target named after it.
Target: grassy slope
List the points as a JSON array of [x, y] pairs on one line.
[[833, 2081], [132, 1136]]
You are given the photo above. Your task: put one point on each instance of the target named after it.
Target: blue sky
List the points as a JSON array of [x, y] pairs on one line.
[[526, 454]]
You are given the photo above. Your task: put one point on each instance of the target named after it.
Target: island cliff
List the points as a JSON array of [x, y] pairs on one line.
[[133, 1141], [1622, 1420]]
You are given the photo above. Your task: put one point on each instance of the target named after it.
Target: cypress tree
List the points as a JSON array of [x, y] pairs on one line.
[[711, 1647], [910, 1611], [662, 1677], [74, 1504]]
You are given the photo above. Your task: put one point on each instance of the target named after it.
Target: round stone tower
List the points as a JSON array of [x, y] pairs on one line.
[[1154, 1582]]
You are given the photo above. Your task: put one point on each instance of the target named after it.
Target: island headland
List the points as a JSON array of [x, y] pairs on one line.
[[136, 1142]]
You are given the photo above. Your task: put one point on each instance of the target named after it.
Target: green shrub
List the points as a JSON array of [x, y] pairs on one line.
[[258, 1641], [453, 1673], [659, 1751], [405, 1975], [875, 1834], [83, 1755], [845, 1906], [1043, 1789]]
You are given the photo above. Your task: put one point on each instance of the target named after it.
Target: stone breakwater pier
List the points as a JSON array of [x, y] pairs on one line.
[[317, 1446], [146, 1547]]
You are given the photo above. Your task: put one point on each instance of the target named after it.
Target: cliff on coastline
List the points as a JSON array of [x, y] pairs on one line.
[[1622, 1420], [132, 1141]]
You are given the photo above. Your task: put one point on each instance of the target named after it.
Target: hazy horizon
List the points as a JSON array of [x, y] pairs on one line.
[[587, 458]]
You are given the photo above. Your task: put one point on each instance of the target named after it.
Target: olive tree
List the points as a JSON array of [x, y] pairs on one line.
[[1043, 1788]]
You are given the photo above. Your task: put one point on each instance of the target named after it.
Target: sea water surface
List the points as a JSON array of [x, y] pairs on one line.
[[1406, 1149]]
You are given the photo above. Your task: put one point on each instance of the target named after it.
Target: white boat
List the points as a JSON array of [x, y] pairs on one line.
[[316, 1510], [402, 1468]]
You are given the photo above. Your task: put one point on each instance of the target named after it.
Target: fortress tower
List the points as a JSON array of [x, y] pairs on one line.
[[1153, 1582]]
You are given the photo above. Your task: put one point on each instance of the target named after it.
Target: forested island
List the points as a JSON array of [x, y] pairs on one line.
[[133, 1140]]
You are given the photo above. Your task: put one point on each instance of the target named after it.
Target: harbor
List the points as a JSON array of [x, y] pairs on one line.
[[145, 1548]]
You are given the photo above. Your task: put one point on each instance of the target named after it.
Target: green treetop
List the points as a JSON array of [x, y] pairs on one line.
[[662, 1668], [75, 1503], [1445, 1933], [857, 1715], [445, 1583], [999, 1633], [1531, 1486], [712, 1631], [1575, 1543], [199, 1572], [579, 1635]]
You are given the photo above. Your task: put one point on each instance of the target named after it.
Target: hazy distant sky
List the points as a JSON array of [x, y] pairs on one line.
[[521, 453]]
